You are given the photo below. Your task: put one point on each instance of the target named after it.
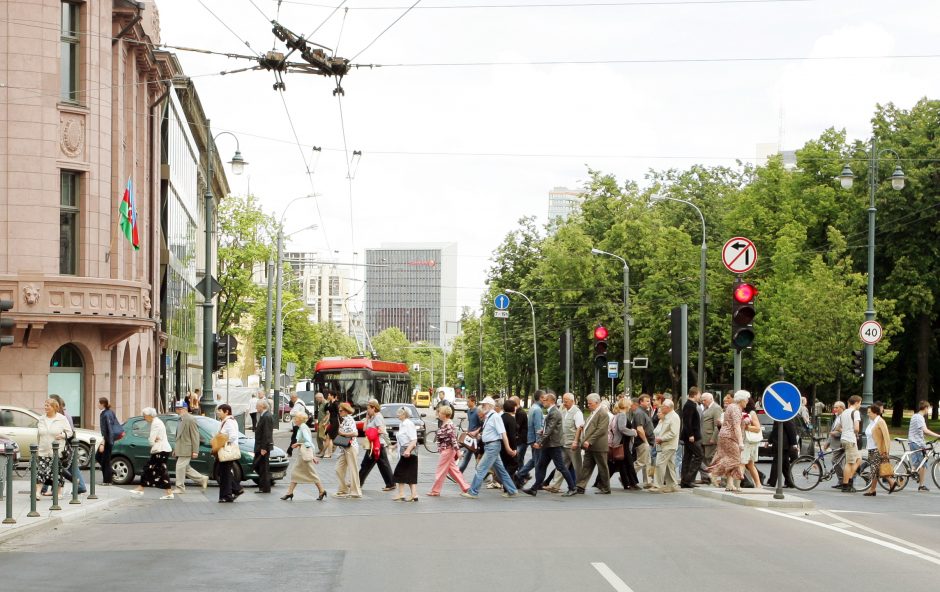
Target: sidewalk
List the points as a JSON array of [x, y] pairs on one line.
[[108, 497]]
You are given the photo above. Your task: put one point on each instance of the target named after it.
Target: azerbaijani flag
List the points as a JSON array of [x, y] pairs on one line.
[[129, 216]]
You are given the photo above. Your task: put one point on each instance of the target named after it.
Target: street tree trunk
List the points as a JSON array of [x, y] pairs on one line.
[[924, 337]]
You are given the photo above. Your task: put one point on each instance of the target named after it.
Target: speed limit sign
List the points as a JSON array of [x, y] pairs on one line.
[[870, 332]]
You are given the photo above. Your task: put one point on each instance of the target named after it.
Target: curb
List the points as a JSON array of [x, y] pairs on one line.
[[49, 522], [756, 500]]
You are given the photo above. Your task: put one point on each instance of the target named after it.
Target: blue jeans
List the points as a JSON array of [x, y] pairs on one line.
[[465, 460], [491, 460], [523, 472], [556, 455]]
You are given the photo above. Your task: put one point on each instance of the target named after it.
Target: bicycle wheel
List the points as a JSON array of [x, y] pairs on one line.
[[805, 472], [430, 441], [935, 471], [902, 473]]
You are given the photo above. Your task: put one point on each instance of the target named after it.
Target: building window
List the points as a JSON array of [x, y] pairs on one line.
[[69, 52], [68, 223]]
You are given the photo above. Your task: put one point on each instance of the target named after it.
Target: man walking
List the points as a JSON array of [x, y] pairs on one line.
[[642, 418], [549, 446], [595, 444], [835, 442], [667, 442], [522, 431], [252, 411], [536, 419], [691, 437], [851, 422], [473, 426], [264, 443], [321, 419], [572, 422], [711, 426], [186, 449], [493, 436], [916, 440], [791, 448]]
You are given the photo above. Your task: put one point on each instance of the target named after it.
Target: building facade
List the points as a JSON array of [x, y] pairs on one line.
[[412, 287], [563, 202]]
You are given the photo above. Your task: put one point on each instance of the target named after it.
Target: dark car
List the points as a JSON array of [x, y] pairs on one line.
[[766, 427], [131, 453], [390, 413]]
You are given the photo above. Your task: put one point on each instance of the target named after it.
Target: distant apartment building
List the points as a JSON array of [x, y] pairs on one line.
[[325, 287], [412, 286], [562, 202]]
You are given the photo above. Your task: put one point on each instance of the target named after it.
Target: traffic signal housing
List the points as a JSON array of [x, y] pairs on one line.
[[742, 314], [5, 323], [858, 363], [219, 353], [600, 347]]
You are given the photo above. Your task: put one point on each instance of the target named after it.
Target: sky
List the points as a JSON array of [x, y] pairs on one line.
[[459, 153]]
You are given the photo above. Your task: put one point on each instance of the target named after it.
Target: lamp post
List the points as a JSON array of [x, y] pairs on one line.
[[535, 345], [627, 359], [702, 302], [846, 178], [207, 403]]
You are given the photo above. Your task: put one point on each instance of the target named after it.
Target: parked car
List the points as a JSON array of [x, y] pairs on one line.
[[460, 402], [766, 426], [390, 413], [19, 424], [422, 399], [16, 451], [131, 453]]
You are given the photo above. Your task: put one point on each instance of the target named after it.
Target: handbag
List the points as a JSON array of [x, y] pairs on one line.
[[342, 441], [469, 442], [306, 453], [230, 452], [753, 437], [615, 453], [885, 469]]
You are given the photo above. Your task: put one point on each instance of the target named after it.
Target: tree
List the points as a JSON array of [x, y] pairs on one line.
[[391, 345]]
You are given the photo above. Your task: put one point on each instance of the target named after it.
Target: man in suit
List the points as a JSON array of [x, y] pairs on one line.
[[711, 425], [549, 447], [321, 420], [264, 443], [522, 430], [667, 442], [691, 437], [186, 449], [595, 445], [572, 422], [791, 450]]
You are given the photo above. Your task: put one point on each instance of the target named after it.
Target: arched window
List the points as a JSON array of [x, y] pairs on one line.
[[67, 356], [66, 379]]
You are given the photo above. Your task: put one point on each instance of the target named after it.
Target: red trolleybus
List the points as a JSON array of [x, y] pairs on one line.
[[358, 380]]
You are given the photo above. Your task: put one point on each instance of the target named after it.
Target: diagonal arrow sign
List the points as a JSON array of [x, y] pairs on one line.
[[785, 404]]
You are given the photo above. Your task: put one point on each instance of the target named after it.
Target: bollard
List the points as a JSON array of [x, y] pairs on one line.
[[33, 453], [55, 477], [91, 471], [9, 518], [75, 473]]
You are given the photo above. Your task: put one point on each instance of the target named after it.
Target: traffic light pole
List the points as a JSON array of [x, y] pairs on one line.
[[684, 332], [207, 403], [568, 360], [737, 370]]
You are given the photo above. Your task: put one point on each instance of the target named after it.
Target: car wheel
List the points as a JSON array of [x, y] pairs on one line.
[[122, 471], [84, 456]]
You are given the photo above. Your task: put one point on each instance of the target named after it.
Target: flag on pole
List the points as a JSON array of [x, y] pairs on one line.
[[129, 216]]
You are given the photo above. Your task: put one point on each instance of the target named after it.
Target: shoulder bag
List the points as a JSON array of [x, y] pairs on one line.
[[230, 452], [753, 437], [342, 441], [306, 453]]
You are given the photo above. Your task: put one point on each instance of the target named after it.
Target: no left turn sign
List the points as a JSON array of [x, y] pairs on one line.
[[739, 254]]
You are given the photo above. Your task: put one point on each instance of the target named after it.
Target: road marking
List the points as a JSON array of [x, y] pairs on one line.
[[841, 525], [928, 515], [856, 535], [853, 512], [885, 536], [612, 578]]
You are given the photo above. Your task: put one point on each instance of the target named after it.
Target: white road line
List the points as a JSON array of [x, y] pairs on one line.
[[852, 512], [928, 515], [856, 535], [612, 578], [885, 536]]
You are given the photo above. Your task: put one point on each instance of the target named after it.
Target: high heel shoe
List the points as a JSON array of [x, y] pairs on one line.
[[288, 497], [322, 496]]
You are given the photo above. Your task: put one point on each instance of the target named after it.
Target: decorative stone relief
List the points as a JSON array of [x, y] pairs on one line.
[[147, 304], [72, 131], [30, 295]]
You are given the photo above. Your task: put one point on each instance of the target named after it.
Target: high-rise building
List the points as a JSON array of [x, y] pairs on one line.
[[413, 287], [562, 202], [324, 287]]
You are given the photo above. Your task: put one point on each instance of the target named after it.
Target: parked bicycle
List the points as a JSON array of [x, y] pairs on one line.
[[905, 469], [808, 471]]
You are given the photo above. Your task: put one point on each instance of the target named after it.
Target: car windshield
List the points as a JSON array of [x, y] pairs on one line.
[[391, 411], [213, 425]]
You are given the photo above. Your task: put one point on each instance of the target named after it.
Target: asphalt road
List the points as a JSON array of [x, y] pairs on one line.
[[628, 541]]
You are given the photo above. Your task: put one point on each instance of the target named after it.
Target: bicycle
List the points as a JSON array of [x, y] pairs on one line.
[[909, 471], [808, 471], [430, 441]]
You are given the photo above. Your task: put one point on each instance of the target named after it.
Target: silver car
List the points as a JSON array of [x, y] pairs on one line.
[[19, 424]]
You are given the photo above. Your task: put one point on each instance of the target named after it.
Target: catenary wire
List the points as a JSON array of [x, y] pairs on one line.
[[385, 30], [665, 3], [230, 30]]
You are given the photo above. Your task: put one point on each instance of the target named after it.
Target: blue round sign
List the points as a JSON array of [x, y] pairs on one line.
[[501, 301], [781, 401]]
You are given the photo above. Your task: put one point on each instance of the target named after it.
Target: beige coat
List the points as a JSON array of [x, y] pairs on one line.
[[187, 437]]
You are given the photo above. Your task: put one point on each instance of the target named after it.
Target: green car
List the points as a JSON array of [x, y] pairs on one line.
[[131, 453]]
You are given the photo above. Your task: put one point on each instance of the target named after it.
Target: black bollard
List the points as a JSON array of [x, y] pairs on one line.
[[55, 477], [91, 471], [33, 453], [9, 470], [75, 473]]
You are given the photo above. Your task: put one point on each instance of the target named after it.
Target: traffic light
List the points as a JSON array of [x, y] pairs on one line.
[[219, 353], [600, 347], [675, 335], [742, 314], [5, 323], [858, 363]]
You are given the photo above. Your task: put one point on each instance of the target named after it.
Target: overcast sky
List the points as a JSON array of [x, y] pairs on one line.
[[461, 153]]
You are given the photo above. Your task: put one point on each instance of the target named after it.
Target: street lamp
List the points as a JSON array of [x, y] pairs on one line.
[[535, 346], [702, 303], [207, 403], [847, 178], [627, 360]]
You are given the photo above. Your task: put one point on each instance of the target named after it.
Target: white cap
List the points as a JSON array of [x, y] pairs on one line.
[[488, 401]]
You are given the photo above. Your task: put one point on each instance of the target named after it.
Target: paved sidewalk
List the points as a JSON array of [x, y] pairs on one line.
[[108, 497]]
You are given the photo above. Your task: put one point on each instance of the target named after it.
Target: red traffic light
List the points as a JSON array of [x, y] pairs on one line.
[[600, 333], [744, 293]]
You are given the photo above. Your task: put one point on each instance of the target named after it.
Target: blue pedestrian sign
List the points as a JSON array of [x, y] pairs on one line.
[[501, 301], [781, 401]]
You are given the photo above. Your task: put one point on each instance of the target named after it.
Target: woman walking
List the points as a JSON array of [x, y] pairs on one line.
[[406, 471], [750, 426], [51, 427], [225, 471], [374, 420], [620, 433], [727, 462], [155, 473], [448, 452], [332, 425], [304, 471], [346, 439], [879, 444], [111, 431]]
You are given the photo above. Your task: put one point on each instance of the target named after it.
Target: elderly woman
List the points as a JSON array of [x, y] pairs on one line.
[[304, 470], [51, 427], [225, 471], [750, 426], [621, 432], [346, 440], [155, 473], [448, 451], [727, 461], [374, 420], [406, 471]]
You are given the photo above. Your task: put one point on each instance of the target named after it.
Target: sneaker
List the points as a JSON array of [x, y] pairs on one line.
[[180, 491], [506, 494], [167, 496], [340, 495], [135, 492], [468, 495]]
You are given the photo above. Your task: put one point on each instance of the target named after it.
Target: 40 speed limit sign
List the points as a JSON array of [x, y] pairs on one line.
[[870, 332]]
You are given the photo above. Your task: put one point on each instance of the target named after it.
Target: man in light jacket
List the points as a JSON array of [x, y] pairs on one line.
[[595, 444], [711, 425], [667, 442], [187, 448]]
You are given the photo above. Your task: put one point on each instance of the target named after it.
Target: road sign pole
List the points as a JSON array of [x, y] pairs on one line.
[[779, 493]]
